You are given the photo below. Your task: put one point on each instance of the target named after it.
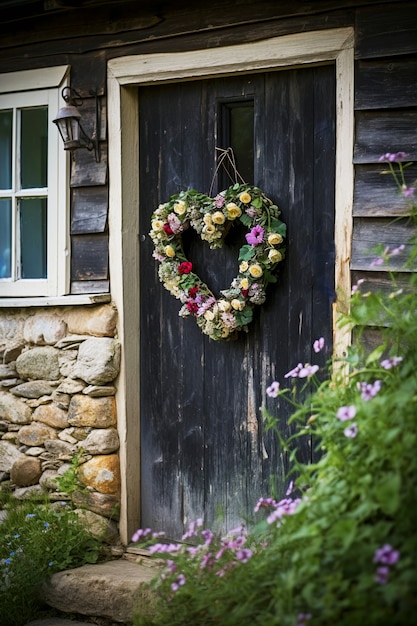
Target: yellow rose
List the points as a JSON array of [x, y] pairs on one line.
[[274, 239], [180, 207], [209, 229], [224, 305], [245, 197], [244, 283], [157, 225], [255, 270], [209, 315], [207, 218], [233, 211], [225, 332], [243, 266], [274, 256], [170, 251], [218, 217], [238, 305]]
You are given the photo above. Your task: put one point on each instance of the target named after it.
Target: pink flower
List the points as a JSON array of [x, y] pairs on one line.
[[318, 345], [351, 431], [346, 413], [255, 236], [219, 201], [307, 370], [273, 390], [390, 157]]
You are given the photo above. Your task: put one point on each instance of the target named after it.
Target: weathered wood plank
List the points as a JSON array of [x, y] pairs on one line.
[[380, 281], [386, 84], [85, 172], [90, 286], [376, 194], [378, 132], [389, 30], [368, 234], [89, 210], [89, 257]]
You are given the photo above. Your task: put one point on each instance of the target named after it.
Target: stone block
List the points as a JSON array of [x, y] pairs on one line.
[[36, 434], [102, 503], [51, 415], [97, 412], [39, 363], [13, 409], [101, 473], [26, 471], [98, 361], [111, 590], [97, 321], [101, 441], [44, 329], [33, 389], [9, 454]]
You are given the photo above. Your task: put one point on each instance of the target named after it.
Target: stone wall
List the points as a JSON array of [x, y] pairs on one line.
[[58, 370]]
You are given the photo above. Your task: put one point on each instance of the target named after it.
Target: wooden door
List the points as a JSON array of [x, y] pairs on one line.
[[204, 450]]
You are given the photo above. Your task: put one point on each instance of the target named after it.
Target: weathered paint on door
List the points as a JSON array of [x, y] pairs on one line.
[[204, 449]]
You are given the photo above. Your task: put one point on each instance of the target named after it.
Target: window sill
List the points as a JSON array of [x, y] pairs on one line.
[[45, 301]]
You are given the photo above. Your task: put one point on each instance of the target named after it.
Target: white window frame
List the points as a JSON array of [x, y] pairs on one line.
[[124, 74], [26, 89]]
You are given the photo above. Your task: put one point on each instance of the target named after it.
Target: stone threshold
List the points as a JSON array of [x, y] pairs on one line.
[[109, 592]]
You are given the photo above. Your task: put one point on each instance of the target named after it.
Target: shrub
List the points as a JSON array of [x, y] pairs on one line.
[[341, 546], [37, 540]]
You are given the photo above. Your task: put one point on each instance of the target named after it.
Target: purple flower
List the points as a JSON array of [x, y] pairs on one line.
[[255, 236], [178, 582], [382, 574], [351, 431], [265, 503], [386, 555], [407, 191], [140, 534], [307, 370], [390, 157], [290, 488], [387, 364], [369, 390], [283, 507], [346, 413], [243, 555], [398, 250], [378, 261], [273, 389], [164, 547], [208, 536], [303, 618], [219, 201], [318, 345], [355, 287], [294, 372]]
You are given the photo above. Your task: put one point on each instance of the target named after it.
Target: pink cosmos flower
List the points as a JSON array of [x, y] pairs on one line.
[[255, 236], [318, 345], [351, 431], [273, 389], [346, 413]]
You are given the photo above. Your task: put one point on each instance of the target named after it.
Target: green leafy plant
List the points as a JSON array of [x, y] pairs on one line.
[[37, 540], [340, 546], [69, 481]]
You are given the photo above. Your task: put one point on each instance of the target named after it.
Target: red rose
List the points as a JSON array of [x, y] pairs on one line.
[[192, 306], [193, 291], [244, 292], [185, 267], [167, 229]]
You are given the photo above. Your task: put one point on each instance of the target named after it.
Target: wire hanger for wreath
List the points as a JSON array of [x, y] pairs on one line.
[[227, 157]]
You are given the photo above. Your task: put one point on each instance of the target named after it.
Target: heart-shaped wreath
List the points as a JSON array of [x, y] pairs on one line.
[[211, 218]]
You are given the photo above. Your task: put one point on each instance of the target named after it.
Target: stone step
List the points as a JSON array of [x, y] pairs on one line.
[[112, 590]]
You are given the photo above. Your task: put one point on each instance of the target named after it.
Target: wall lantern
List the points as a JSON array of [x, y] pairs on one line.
[[69, 126]]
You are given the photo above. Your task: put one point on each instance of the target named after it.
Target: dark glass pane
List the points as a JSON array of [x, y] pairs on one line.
[[237, 121], [6, 124], [5, 237], [33, 233], [34, 147]]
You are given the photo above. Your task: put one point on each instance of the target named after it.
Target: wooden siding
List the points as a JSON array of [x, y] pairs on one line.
[[87, 36]]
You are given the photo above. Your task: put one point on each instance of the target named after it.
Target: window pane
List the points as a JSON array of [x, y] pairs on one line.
[[237, 132], [5, 237], [241, 139], [6, 122], [34, 147], [33, 234]]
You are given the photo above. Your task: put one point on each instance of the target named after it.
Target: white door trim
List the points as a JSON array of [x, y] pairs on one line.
[[123, 75]]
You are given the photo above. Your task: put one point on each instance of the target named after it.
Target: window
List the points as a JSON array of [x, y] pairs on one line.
[[33, 186]]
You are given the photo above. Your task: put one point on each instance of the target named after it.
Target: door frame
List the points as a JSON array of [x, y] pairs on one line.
[[124, 75]]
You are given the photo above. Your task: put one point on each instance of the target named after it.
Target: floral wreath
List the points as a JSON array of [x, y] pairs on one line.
[[219, 318]]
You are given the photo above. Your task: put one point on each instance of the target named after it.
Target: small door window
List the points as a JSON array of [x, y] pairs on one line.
[[237, 132]]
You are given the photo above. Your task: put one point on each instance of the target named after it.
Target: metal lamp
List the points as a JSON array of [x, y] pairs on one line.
[[69, 126]]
